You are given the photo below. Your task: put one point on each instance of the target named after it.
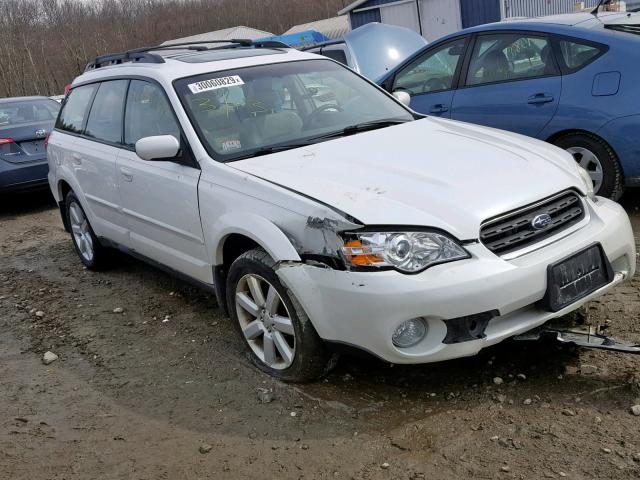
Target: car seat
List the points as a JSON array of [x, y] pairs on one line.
[[495, 67], [267, 122]]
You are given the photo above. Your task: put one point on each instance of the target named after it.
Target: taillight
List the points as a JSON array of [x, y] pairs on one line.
[[46, 141], [67, 88], [4, 141]]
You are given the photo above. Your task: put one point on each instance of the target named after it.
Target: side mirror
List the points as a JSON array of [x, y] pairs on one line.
[[159, 147], [403, 97]]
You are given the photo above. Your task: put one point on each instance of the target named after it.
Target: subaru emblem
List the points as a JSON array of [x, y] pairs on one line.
[[542, 221], [41, 133]]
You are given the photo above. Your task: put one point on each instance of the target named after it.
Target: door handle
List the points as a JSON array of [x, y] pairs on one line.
[[127, 175], [438, 108], [540, 98]]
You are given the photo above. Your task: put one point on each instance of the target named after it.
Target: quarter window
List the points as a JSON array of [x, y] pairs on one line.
[[75, 109], [105, 119], [576, 55], [148, 113], [508, 57], [432, 72]]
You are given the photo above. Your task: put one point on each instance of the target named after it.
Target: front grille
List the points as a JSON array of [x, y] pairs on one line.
[[515, 230]]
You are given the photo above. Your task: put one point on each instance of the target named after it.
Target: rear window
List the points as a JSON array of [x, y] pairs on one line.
[[24, 112], [75, 109], [105, 119], [576, 55]]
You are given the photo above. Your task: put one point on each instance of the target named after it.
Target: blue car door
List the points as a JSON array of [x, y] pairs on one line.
[[430, 78], [512, 82]]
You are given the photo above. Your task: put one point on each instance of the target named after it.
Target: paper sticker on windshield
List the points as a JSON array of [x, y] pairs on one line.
[[215, 84]]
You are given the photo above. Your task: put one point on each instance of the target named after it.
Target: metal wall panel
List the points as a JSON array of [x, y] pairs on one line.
[[539, 8], [361, 18], [401, 14], [479, 12]]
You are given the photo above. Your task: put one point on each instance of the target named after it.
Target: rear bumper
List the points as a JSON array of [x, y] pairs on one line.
[[363, 309], [23, 176]]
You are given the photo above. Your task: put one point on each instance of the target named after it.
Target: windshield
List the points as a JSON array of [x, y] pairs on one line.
[[242, 112], [24, 112]]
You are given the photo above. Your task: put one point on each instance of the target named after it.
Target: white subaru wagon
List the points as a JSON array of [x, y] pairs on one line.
[[321, 211]]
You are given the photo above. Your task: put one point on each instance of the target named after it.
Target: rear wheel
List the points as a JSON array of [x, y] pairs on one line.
[[85, 242], [598, 159], [279, 336]]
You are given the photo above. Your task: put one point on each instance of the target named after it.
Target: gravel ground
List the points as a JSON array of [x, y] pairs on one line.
[[162, 389]]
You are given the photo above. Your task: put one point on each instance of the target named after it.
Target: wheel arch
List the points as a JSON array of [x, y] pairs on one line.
[[236, 234]]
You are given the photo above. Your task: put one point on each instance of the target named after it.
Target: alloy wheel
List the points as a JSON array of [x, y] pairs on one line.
[[80, 231], [265, 321]]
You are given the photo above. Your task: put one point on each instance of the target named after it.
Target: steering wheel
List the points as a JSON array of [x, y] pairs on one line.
[[328, 107], [434, 84]]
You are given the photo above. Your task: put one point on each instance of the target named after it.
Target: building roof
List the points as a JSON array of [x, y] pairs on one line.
[[332, 28], [352, 6], [224, 34]]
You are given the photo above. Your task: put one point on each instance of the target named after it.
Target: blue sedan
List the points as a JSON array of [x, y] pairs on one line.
[[25, 123], [572, 80]]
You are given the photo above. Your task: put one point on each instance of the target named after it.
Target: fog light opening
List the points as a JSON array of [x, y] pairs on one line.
[[409, 333]]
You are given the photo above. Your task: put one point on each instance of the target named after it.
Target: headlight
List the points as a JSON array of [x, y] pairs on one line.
[[588, 182], [408, 252]]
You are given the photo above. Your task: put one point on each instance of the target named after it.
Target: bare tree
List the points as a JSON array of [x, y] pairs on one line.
[[44, 44]]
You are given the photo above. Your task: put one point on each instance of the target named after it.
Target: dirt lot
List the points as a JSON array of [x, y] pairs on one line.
[[135, 396]]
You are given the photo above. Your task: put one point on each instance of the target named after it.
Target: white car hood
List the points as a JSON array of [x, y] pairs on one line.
[[430, 172]]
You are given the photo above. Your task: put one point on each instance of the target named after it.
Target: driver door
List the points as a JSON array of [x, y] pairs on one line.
[[431, 78]]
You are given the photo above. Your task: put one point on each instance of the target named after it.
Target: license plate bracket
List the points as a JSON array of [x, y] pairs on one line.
[[575, 277]]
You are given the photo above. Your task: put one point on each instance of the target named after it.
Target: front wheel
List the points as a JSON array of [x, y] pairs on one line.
[[279, 336], [598, 159]]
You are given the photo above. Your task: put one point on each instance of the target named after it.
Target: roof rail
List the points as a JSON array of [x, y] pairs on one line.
[[143, 54], [126, 57]]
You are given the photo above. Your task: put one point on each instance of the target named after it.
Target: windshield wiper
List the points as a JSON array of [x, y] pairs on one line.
[[350, 130], [273, 149], [360, 127]]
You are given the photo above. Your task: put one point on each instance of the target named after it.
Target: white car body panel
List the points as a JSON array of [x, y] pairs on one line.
[[294, 204], [391, 182]]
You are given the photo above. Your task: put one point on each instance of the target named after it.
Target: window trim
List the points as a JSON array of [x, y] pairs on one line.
[[564, 68], [427, 51], [187, 157], [529, 33]]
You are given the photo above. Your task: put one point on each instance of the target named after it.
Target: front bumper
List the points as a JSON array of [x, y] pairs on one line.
[[363, 309], [30, 175]]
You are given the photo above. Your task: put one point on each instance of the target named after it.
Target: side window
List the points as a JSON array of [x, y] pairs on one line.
[[105, 118], [75, 109], [508, 57], [577, 55], [148, 113], [432, 72], [336, 54]]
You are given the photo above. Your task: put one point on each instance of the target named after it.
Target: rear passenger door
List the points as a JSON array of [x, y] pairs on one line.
[[512, 82], [431, 78], [93, 159], [160, 198]]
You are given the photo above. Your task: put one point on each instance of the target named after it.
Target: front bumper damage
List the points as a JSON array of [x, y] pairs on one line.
[[468, 305], [586, 337]]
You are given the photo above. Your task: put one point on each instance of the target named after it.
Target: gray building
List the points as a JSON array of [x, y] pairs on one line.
[[435, 18]]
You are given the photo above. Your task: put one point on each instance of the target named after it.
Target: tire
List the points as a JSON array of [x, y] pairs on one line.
[[92, 254], [586, 147], [264, 324]]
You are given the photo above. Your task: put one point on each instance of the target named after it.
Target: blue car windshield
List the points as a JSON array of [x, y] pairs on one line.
[[259, 109]]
